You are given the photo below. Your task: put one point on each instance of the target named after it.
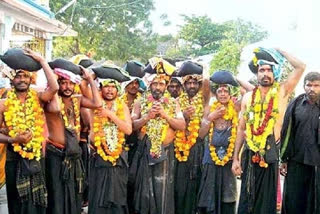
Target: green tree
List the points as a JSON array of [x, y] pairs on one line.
[[240, 33], [111, 29], [202, 36]]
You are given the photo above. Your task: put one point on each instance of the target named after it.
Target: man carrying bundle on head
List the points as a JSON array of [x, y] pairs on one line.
[[64, 167], [23, 116], [218, 190], [261, 118], [108, 157], [156, 115], [188, 150]]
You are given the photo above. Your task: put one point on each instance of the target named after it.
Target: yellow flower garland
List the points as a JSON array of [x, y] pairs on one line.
[[257, 143], [231, 114], [183, 141], [76, 107], [157, 128], [21, 117], [124, 98], [109, 148]]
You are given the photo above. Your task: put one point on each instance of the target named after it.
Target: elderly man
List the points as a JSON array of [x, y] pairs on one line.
[[261, 118]]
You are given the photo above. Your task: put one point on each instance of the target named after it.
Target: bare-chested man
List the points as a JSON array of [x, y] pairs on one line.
[[22, 114], [157, 116], [65, 174], [261, 118]]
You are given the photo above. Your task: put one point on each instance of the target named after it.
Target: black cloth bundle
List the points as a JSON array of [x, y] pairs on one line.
[[189, 68], [263, 55], [66, 65], [16, 59], [134, 68], [223, 77], [111, 72]]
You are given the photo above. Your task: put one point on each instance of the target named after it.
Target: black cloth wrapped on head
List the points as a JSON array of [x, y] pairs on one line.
[[65, 65], [135, 69], [16, 59], [190, 68], [263, 55], [111, 72], [224, 77]]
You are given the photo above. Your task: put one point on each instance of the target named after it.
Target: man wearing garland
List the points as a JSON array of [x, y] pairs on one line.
[[23, 116], [261, 118], [108, 159], [64, 167], [300, 154], [156, 115], [189, 150]]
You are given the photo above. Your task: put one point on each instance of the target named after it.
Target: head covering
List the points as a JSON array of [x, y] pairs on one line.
[[16, 59], [11, 74], [278, 63], [105, 82], [142, 84], [223, 77], [64, 74], [197, 77], [82, 60], [176, 79]]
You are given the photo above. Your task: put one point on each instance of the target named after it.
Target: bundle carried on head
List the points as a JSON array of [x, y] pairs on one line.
[[110, 71], [82, 60], [17, 59]]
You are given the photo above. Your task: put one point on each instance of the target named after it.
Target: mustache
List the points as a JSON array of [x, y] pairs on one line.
[[266, 77]]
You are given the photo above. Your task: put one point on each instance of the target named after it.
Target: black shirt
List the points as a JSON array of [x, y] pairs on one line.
[[305, 130]]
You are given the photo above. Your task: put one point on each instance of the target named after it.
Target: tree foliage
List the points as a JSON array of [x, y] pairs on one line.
[[201, 34], [239, 35], [112, 29]]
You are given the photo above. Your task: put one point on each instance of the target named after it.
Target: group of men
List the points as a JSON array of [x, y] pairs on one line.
[[173, 148]]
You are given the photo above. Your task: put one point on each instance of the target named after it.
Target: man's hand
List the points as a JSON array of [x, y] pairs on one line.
[[102, 112], [188, 112], [236, 168], [283, 169], [85, 73], [23, 138], [154, 111], [36, 56], [218, 113]]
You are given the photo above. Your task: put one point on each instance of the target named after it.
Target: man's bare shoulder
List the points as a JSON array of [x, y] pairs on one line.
[[2, 106]]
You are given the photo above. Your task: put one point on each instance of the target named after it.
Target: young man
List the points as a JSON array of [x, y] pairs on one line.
[[157, 116], [108, 159], [188, 150], [175, 87], [300, 150], [261, 118], [65, 173], [22, 114]]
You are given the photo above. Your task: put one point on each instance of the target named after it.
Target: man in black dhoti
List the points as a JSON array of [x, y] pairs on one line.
[[22, 114], [261, 118], [108, 175], [156, 115], [300, 154]]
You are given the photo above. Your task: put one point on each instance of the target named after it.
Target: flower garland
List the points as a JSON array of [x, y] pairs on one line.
[[21, 117], [259, 128], [231, 114], [185, 139], [124, 98], [157, 128], [76, 107], [108, 139]]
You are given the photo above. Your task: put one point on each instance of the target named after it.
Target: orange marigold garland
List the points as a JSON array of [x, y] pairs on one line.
[[185, 139], [231, 114], [108, 139], [21, 117], [76, 107]]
